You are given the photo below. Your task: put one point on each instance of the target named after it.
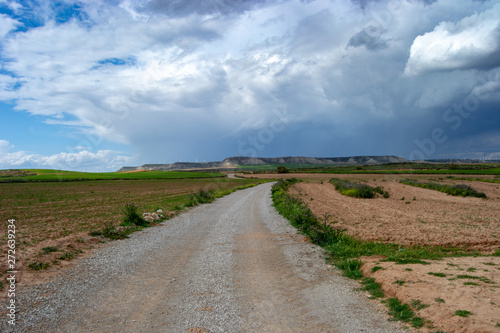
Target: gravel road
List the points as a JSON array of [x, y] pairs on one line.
[[234, 265]]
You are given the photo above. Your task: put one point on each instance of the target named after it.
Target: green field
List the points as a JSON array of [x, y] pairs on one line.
[[408, 168], [272, 167], [48, 175]]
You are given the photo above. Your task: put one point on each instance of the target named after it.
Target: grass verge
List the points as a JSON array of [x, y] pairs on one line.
[[345, 250]]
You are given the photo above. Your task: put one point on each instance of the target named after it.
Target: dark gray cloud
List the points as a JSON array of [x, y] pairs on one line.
[[363, 3], [180, 8], [368, 39], [278, 80]]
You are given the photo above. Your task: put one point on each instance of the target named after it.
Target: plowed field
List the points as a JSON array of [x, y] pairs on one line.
[[411, 215]]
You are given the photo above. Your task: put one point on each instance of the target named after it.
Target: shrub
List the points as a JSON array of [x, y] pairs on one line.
[[357, 190], [282, 169], [132, 217], [111, 232], [201, 197]]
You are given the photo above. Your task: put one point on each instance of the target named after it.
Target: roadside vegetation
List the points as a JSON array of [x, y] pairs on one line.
[[456, 190], [357, 190], [345, 251]]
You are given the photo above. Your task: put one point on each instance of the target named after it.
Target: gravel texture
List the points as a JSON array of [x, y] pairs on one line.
[[234, 265]]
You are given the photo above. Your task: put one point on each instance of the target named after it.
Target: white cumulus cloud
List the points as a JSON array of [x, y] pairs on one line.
[[105, 160], [472, 42]]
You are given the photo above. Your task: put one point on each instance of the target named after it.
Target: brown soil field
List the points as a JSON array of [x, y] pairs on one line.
[[411, 215], [61, 215], [417, 216], [470, 283]]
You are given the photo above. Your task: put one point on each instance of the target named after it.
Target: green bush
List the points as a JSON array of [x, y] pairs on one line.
[[282, 169], [201, 197], [111, 232], [357, 190], [132, 217]]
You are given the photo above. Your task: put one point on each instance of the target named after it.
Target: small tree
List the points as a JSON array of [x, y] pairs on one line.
[[282, 169]]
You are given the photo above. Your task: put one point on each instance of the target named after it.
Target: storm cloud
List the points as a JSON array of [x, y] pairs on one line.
[[204, 80]]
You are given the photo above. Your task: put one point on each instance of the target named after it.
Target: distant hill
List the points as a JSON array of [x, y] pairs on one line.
[[459, 161], [235, 162], [353, 160]]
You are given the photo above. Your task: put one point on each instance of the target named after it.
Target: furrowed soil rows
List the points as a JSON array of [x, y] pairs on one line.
[[411, 215]]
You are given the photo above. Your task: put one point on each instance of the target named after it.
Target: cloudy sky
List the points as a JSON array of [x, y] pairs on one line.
[[95, 85]]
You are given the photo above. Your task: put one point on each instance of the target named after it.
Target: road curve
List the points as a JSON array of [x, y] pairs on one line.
[[234, 265]]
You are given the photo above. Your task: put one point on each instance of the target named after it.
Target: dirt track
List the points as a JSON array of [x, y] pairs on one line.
[[231, 266]]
